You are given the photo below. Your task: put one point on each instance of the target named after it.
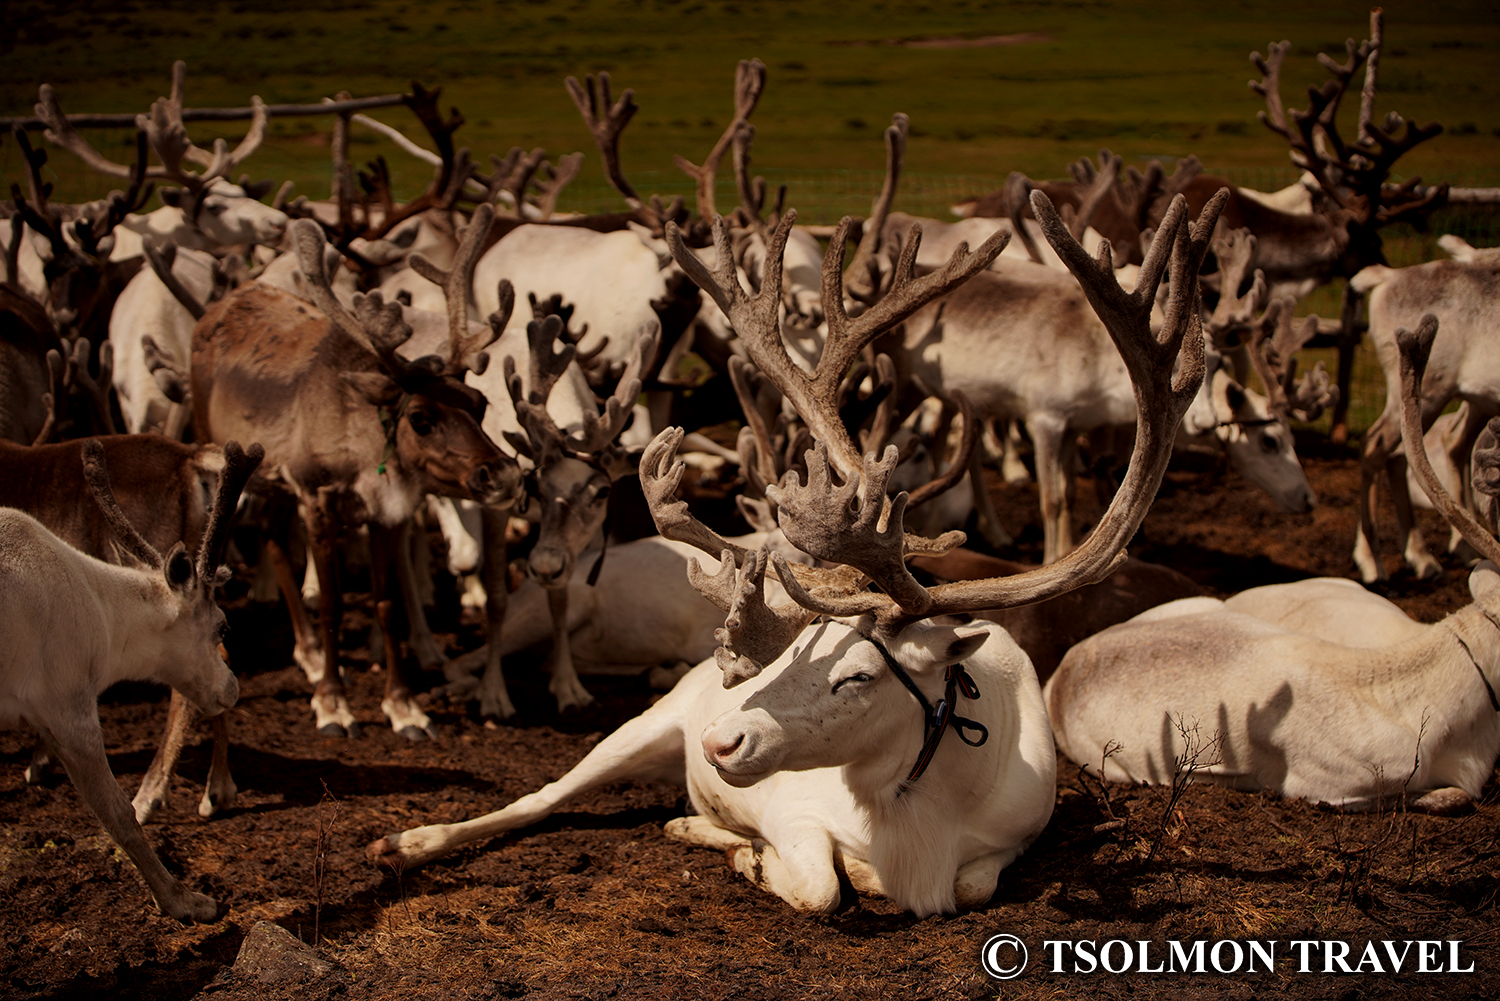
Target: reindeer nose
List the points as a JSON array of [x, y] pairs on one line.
[[489, 484], [720, 749], [548, 566]]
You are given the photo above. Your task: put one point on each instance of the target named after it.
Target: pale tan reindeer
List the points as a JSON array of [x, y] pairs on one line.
[[74, 625], [829, 759], [1464, 295], [1372, 709]]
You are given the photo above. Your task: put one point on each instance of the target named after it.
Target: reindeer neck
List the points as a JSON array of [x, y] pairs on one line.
[[1456, 663]]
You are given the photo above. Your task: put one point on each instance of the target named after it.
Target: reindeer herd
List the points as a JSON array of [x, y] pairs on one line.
[[477, 361]]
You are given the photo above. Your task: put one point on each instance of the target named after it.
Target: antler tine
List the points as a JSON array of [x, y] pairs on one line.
[[1267, 357], [1235, 313], [543, 337], [606, 127], [309, 243], [96, 474], [1017, 193], [239, 464], [1414, 350], [660, 473], [959, 465], [754, 633], [560, 174], [740, 372], [1269, 87], [1484, 469], [847, 337], [1099, 184], [597, 433], [60, 132], [457, 283], [895, 156], [749, 81], [752, 190]]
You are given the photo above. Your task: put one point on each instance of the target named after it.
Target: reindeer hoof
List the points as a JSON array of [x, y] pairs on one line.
[[417, 734], [339, 730]]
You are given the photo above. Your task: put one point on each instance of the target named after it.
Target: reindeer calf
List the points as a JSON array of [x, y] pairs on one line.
[[73, 625]]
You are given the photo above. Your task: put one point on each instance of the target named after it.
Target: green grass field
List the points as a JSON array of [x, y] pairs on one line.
[[1146, 80]]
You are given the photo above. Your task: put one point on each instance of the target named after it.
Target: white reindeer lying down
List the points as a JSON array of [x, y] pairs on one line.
[[798, 773], [1335, 723], [1312, 690]]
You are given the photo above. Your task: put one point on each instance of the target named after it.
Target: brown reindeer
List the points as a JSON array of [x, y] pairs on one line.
[[355, 432]]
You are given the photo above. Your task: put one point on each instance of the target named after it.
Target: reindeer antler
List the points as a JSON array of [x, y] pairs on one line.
[[1415, 349], [466, 349], [239, 465], [749, 81]]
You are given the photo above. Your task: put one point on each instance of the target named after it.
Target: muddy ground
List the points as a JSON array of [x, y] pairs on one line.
[[597, 903]]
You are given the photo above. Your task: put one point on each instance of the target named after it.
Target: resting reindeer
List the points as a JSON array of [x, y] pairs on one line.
[[74, 625], [807, 771], [1414, 718]]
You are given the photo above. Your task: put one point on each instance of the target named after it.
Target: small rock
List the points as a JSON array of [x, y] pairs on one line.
[[272, 954]]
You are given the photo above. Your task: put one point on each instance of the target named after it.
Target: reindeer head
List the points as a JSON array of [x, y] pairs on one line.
[[431, 418], [574, 469], [191, 658], [835, 697]]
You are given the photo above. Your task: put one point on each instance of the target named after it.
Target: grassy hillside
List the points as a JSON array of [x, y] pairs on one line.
[[1162, 79]]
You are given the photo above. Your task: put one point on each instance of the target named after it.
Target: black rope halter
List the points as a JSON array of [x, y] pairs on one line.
[[936, 720]]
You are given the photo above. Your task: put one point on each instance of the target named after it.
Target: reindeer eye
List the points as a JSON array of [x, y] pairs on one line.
[[1268, 443], [215, 208], [420, 422], [853, 677], [602, 493]]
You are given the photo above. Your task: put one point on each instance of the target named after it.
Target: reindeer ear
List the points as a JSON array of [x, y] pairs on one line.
[[178, 568], [931, 646], [375, 387], [1484, 580]]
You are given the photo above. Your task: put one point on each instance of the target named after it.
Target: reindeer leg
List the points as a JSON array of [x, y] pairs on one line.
[[1413, 545], [494, 698], [984, 506], [407, 719], [330, 702], [1012, 469], [43, 757], [152, 795], [1380, 441], [976, 880], [306, 652], [424, 646], [1047, 437], [798, 866], [80, 745], [565, 684], [219, 791], [649, 748]]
